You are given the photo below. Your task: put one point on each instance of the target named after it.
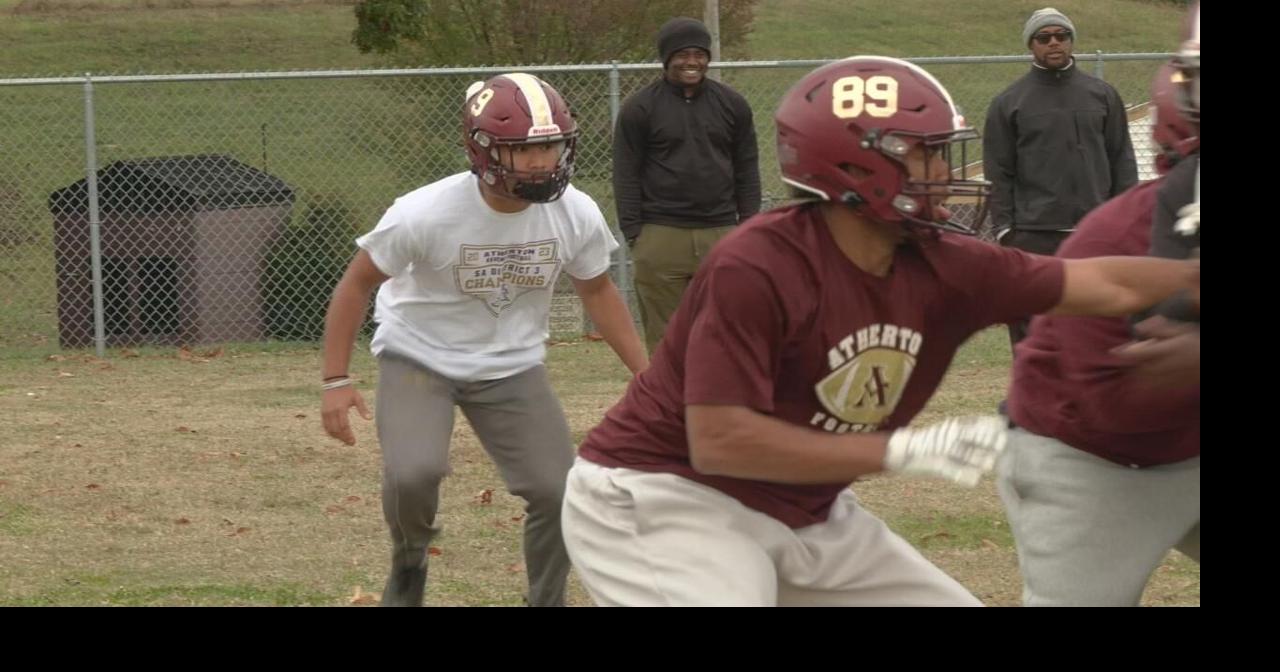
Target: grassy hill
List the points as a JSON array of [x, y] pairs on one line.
[[74, 36]]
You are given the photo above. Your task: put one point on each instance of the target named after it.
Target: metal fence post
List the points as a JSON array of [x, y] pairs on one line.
[[95, 222], [624, 252]]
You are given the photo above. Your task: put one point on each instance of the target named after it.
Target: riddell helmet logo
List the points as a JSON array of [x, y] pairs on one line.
[[539, 131]]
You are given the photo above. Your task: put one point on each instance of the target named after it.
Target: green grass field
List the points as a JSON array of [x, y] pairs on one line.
[[203, 477]]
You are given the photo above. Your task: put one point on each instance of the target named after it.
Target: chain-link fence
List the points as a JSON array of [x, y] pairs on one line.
[[220, 208]]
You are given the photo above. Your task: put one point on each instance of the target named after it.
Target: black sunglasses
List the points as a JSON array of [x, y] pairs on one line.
[[1043, 38]]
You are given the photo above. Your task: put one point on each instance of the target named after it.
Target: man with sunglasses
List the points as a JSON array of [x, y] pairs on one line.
[[1056, 145]]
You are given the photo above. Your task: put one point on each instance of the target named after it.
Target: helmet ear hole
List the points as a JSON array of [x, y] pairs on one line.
[[855, 171]]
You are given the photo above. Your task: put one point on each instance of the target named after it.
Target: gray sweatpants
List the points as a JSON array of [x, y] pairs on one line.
[[520, 424], [1089, 531]]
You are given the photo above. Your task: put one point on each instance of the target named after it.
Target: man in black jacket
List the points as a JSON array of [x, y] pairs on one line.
[[1056, 145], [685, 171]]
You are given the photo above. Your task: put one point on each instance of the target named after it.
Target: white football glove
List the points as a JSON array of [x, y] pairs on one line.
[[956, 449]]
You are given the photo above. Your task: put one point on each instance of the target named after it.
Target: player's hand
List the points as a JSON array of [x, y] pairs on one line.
[[335, 408], [1168, 354], [960, 450]]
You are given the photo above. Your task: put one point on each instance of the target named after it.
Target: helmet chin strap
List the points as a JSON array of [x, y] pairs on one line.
[[534, 191], [948, 224], [852, 199], [945, 225], [537, 192]]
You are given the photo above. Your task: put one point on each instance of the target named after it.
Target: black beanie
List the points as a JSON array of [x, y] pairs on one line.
[[681, 33]]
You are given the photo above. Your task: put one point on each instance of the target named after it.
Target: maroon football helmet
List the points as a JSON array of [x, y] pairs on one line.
[[1171, 131], [844, 132], [1188, 62], [518, 109]]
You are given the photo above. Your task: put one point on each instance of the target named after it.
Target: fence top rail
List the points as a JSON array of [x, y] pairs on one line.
[[537, 69]]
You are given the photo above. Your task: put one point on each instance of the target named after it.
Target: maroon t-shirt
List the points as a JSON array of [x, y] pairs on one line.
[[779, 320], [1066, 382]]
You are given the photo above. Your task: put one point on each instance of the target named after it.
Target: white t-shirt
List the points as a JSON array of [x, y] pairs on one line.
[[470, 289]]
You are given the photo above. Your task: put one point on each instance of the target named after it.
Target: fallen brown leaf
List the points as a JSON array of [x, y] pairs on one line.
[[361, 597]]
